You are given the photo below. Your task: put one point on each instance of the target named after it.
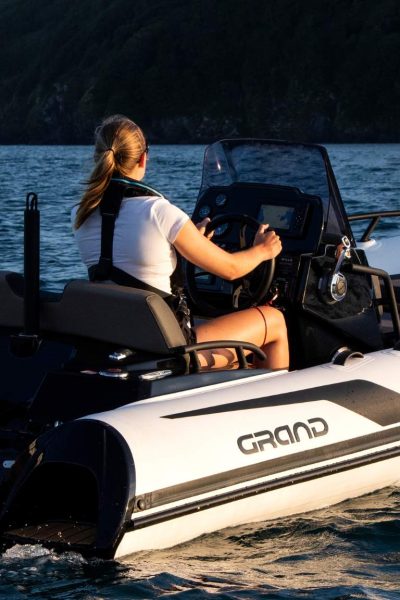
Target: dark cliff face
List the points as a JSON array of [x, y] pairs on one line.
[[197, 70]]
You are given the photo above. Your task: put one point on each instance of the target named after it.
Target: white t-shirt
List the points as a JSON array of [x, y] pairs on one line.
[[145, 230]]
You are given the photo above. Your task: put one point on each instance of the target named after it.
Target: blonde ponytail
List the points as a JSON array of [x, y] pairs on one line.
[[119, 146]]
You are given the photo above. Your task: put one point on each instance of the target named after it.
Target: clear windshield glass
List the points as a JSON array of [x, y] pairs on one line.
[[256, 161], [276, 163]]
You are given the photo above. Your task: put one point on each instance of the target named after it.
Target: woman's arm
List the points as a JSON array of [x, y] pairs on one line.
[[199, 250]]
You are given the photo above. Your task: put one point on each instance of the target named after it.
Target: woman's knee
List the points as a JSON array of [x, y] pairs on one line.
[[276, 322]]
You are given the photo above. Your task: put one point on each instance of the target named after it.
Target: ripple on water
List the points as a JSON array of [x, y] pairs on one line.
[[348, 551]]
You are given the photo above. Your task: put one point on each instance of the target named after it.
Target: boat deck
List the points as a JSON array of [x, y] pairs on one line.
[[63, 532]]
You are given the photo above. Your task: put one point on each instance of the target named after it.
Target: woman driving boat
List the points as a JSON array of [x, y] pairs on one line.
[[138, 237]]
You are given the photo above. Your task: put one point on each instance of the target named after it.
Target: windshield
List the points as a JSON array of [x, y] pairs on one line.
[[304, 166]]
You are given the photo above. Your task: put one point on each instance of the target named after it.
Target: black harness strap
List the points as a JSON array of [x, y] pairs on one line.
[[109, 209], [123, 278], [110, 206]]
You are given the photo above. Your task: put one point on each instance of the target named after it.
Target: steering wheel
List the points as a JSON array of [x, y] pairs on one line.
[[244, 292]]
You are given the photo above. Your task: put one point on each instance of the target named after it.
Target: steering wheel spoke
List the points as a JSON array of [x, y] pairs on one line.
[[238, 289], [242, 237], [241, 294]]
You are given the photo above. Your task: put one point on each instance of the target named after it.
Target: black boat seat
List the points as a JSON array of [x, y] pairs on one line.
[[110, 313]]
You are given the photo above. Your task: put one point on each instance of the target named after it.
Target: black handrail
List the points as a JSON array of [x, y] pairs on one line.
[[374, 217], [238, 346]]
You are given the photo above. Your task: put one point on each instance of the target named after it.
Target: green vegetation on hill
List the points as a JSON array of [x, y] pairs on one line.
[[196, 70]]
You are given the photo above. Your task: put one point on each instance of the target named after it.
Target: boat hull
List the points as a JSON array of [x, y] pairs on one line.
[[244, 452], [163, 470]]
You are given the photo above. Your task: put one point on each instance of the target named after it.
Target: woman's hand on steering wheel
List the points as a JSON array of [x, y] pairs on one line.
[[268, 240]]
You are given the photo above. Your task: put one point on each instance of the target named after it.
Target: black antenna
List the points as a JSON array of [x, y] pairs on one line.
[[28, 341], [31, 265]]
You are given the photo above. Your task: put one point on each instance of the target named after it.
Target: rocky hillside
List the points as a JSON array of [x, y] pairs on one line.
[[195, 70]]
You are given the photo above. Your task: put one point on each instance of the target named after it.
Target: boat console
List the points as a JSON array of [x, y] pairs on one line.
[[296, 217], [317, 280]]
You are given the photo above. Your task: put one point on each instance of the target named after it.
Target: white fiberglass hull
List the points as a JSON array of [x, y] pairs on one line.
[[289, 500], [259, 448]]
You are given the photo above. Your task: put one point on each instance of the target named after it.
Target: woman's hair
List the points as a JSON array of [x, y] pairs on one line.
[[119, 144]]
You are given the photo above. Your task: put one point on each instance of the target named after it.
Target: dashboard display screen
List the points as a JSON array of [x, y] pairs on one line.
[[277, 216]]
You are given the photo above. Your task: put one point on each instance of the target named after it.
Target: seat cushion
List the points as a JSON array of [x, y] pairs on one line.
[[110, 313]]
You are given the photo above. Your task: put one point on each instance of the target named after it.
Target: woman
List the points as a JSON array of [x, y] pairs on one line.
[[149, 229]]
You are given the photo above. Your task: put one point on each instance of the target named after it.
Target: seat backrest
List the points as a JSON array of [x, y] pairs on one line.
[[106, 312], [11, 299]]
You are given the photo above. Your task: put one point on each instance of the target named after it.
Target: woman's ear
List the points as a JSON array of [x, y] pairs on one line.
[[143, 160]]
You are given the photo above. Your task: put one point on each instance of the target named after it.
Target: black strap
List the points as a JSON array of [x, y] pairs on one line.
[[110, 206], [105, 270], [109, 209], [123, 278]]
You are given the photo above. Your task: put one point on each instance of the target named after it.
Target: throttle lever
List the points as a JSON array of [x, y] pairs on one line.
[[334, 287], [343, 250]]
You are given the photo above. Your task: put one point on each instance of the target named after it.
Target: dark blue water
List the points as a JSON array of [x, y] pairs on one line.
[[56, 174], [345, 552]]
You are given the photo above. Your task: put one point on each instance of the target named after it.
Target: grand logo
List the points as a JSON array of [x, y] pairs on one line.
[[282, 436]]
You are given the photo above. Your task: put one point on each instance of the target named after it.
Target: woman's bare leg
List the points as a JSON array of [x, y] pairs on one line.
[[247, 326]]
